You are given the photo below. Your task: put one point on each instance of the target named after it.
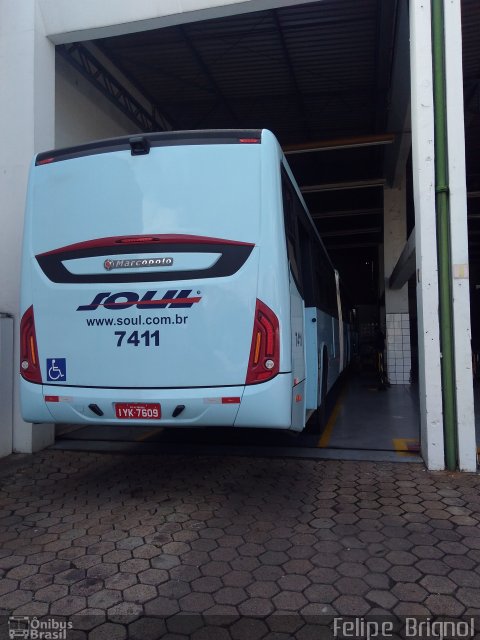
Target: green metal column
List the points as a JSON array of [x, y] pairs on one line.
[[443, 237]]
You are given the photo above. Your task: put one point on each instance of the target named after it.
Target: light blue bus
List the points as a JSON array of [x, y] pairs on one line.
[[176, 279]]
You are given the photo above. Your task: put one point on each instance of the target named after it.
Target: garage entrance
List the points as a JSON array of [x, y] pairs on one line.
[[331, 81]]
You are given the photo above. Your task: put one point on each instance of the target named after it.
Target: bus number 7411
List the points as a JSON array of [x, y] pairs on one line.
[[147, 338]]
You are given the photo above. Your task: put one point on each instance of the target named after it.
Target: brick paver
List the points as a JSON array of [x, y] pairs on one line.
[[128, 545]]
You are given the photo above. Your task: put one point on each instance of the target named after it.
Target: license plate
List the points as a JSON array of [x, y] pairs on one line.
[[137, 411]]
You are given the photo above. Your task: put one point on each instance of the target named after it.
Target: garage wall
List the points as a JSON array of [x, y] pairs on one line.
[[82, 113], [67, 21]]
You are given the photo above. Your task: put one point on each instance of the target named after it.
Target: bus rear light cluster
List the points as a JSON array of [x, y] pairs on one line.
[[29, 363], [264, 362]]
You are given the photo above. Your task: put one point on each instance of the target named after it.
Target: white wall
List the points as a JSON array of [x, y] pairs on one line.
[[68, 21], [423, 160], [82, 113], [27, 76], [467, 453]]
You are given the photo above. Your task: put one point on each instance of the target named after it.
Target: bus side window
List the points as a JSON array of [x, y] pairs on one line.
[[326, 285], [307, 264], [332, 295], [291, 230], [319, 283]]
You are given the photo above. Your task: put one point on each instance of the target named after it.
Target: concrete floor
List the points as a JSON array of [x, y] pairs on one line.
[[364, 424], [369, 419], [141, 547], [263, 544]]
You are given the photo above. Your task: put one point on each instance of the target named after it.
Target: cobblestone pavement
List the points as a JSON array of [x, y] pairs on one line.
[[129, 542]]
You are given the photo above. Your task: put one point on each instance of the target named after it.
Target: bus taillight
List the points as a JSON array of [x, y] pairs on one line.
[[29, 363], [264, 362]]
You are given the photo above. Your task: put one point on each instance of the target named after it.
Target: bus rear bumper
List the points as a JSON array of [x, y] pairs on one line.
[[266, 405]]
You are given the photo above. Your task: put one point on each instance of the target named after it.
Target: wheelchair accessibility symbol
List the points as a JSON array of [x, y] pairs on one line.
[[56, 369]]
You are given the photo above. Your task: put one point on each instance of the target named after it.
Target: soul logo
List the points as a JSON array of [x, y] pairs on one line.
[[173, 299]]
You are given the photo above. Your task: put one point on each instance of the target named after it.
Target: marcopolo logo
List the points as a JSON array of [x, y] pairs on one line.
[[35, 629], [173, 299], [137, 263]]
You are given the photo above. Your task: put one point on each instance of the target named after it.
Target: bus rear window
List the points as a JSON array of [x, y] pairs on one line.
[[198, 190]]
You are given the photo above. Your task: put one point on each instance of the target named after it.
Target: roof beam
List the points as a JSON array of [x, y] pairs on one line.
[[405, 267], [343, 186], [339, 143], [98, 75], [154, 67], [103, 54], [347, 213], [351, 245], [350, 232]]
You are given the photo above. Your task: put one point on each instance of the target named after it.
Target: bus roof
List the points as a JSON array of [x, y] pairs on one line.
[[140, 144]]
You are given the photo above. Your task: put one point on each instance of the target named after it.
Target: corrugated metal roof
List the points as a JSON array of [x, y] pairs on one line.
[[308, 72], [301, 71]]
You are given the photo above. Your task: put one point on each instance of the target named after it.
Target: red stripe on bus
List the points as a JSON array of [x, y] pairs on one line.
[[114, 241]]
